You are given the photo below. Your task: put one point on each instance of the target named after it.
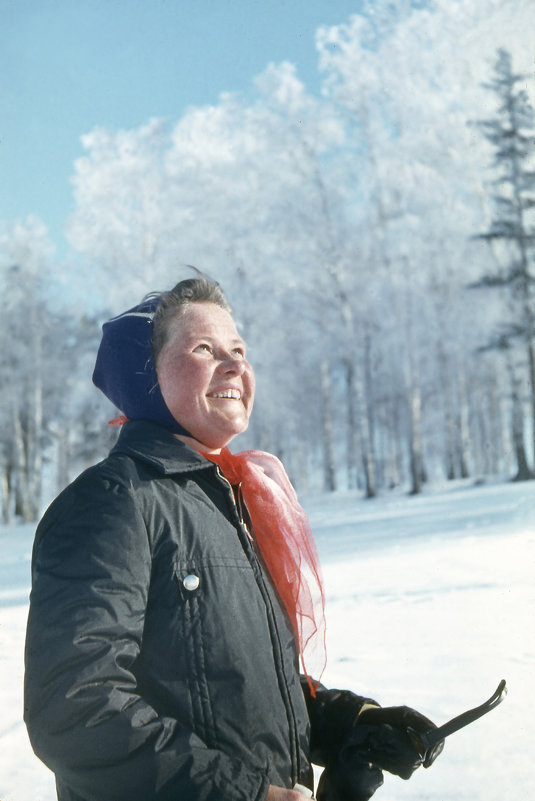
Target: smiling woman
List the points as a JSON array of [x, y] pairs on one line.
[[176, 587]]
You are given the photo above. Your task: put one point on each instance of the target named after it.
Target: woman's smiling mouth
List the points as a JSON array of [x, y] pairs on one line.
[[232, 394]]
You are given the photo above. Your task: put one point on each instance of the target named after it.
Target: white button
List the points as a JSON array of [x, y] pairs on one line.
[[191, 582]]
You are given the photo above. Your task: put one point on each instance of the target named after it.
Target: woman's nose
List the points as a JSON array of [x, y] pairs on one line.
[[231, 365]]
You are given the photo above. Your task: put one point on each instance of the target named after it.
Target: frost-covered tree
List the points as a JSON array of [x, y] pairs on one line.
[[511, 132], [407, 79], [50, 416], [25, 323], [330, 220]]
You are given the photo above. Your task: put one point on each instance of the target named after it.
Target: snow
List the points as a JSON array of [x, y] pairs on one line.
[[430, 602]]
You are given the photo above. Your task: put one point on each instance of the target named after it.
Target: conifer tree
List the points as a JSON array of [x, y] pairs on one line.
[[512, 229]]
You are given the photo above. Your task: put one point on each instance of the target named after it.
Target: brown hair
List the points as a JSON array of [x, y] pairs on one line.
[[173, 302]]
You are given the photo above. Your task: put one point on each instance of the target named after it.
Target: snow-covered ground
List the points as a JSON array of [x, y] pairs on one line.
[[430, 602]]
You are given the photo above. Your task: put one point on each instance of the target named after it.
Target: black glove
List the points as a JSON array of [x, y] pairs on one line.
[[349, 777], [378, 741], [383, 737]]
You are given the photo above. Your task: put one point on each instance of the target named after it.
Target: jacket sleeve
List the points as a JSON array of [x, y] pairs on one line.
[[85, 717], [332, 714]]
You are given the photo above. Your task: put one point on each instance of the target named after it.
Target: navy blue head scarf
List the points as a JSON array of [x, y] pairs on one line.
[[125, 370]]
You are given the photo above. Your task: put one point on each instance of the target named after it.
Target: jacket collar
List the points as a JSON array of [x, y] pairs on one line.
[[151, 443]]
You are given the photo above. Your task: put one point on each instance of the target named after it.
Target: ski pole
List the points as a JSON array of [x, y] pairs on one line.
[[428, 744]]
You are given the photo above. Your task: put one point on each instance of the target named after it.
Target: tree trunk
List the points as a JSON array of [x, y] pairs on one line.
[[357, 405], [495, 441], [414, 402], [464, 431], [395, 447], [531, 362], [34, 464], [416, 450], [63, 457], [394, 479], [6, 495], [352, 442], [28, 467], [328, 443], [368, 401], [22, 508], [523, 472], [301, 466], [449, 424]]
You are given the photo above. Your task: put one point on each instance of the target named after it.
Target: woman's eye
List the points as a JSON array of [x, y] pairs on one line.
[[239, 353], [204, 347]]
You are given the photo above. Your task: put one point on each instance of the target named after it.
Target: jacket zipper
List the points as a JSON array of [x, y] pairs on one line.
[[250, 550]]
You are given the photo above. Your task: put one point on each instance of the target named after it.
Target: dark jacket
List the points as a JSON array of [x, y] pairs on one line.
[[159, 663]]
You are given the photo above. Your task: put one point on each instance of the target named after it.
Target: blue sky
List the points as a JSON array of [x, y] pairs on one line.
[[69, 65]]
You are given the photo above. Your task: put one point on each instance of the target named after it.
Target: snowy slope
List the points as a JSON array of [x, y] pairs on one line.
[[430, 602]]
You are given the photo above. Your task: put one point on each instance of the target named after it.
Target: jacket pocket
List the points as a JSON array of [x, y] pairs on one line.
[[190, 586], [206, 616]]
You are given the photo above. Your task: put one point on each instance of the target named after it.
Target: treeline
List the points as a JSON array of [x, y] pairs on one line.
[[390, 321], [51, 423]]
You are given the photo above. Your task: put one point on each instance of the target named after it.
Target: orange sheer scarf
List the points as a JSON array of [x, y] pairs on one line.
[[285, 540]]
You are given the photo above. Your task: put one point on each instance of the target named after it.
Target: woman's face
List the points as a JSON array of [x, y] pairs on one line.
[[205, 379]]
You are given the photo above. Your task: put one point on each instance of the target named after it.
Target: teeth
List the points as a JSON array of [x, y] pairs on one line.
[[234, 394]]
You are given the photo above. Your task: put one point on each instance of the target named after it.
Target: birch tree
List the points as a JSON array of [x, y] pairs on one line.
[[326, 218], [25, 324]]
